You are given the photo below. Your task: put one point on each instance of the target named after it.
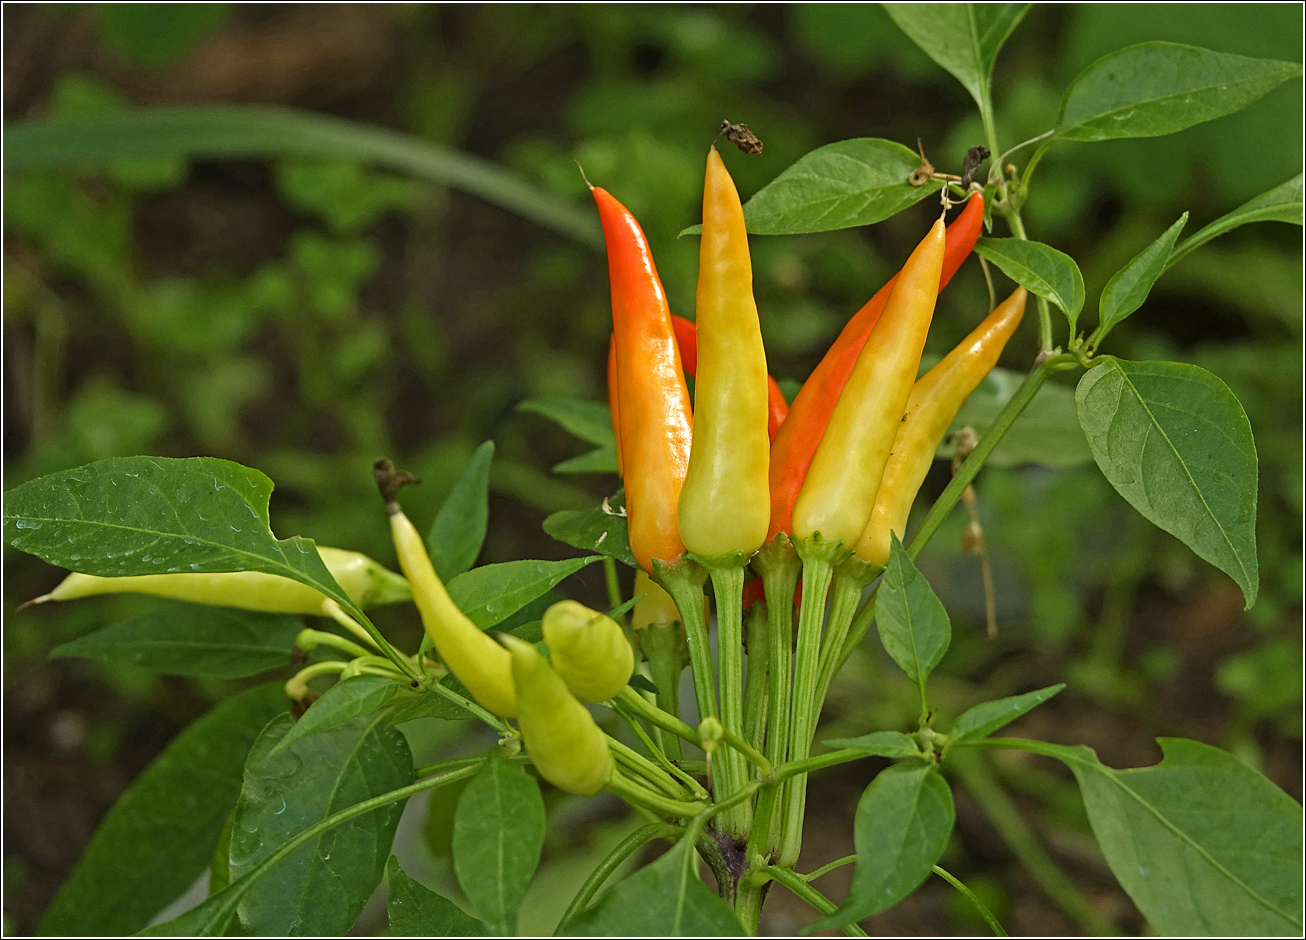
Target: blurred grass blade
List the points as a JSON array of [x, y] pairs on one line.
[[258, 131]]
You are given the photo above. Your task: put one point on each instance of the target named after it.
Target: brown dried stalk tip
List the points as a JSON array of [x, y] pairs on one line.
[[974, 157], [389, 480], [742, 137], [923, 173]]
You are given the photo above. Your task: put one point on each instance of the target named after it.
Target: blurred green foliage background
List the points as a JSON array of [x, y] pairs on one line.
[[304, 316]]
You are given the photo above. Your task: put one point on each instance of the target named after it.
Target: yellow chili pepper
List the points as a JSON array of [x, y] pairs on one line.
[[366, 582], [933, 404], [725, 504], [588, 650], [839, 492], [565, 745], [466, 650]]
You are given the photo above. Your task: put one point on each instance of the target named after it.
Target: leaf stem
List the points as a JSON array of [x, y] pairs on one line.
[[613, 860], [829, 867], [970, 896], [799, 886], [614, 587]]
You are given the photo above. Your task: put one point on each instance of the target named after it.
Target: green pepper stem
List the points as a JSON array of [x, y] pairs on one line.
[[297, 685], [683, 580], [757, 689], [779, 565], [850, 579], [820, 556], [309, 639], [728, 586], [647, 771], [630, 791], [692, 785]]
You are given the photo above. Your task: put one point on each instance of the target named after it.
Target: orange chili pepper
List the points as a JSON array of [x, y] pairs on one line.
[[687, 337], [653, 422], [793, 448]]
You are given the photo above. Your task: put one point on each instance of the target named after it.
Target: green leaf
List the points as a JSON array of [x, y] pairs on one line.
[[1283, 203], [964, 38], [339, 705], [1047, 431], [982, 720], [236, 131], [913, 625], [498, 835], [841, 185], [417, 911], [589, 420], [1158, 88], [1040, 269], [433, 705], [601, 529], [192, 640], [1129, 286], [1174, 441], [321, 888], [892, 744], [157, 839], [491, 593], [901, 828], [458, 532], [603, 460], [664, 899], [1202, 843], [160, 515]]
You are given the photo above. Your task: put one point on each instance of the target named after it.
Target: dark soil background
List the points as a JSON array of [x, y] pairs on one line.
[[304, 317]]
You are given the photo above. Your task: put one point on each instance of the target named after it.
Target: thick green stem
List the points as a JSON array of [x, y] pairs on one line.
[[799, 886], [820, 556], [1015, 831], [683, 580], [732, 770], [849, 581], [614, 859], [779, 566]]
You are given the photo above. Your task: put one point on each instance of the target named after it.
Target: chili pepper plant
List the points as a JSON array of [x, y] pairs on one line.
[[769, 539]]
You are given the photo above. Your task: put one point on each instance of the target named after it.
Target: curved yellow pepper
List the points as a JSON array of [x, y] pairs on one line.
[[725, 504], [933, 404], [466, 650], [839, 492], [365, 581], [588, 650], [565, 745]]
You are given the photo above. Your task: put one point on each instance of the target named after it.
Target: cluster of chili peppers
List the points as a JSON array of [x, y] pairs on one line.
[[737, 480]]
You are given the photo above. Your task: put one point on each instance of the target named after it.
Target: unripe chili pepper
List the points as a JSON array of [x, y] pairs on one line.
[[367, 583], [655, 608], [653, 422], [933, 404], [465, 649], [687, 337], [725, 506], [589, 651], [565, 745], [799, 436], [837, 497]]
